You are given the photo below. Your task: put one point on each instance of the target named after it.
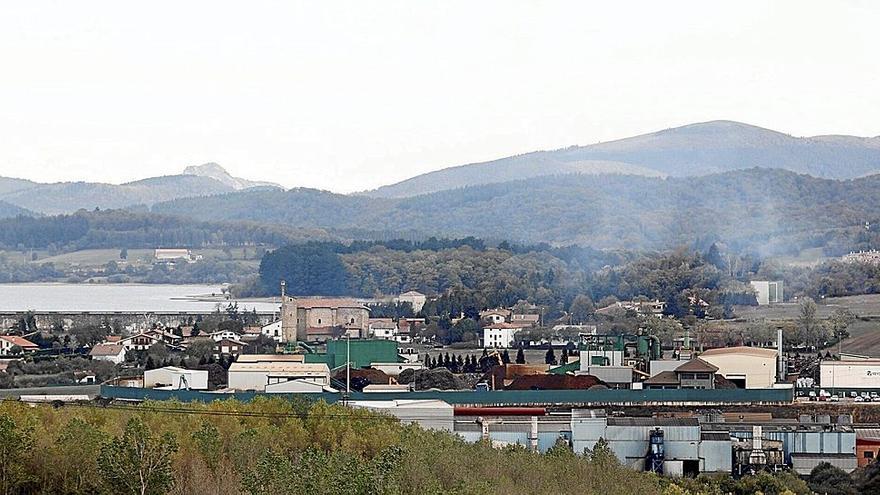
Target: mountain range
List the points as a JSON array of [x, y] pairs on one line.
[[66, 197], [696, 149], [749, 187], [759, 209]]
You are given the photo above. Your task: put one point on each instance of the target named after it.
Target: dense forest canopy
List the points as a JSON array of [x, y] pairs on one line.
[[762, 210], [121, 228]]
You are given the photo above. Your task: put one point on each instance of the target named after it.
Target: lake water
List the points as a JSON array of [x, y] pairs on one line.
[[120, 297]]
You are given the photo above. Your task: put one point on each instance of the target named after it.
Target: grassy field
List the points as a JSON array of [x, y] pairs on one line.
[[864, 338], [866, 305], [99, 257]]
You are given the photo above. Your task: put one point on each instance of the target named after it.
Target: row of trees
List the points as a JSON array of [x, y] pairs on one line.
[[273, 446]]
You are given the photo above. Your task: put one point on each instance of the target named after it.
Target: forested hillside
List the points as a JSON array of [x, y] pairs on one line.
[[695, 149], [467, 278], [124, 229], [8, 210], [768, 211]]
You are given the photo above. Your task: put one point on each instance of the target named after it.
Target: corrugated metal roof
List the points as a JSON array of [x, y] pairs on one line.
[[867, 432], [812, 455], [280, 366], [751, 351], [653, 422], [715, 436]]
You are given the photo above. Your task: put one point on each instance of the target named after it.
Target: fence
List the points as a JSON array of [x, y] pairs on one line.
[[495, 398]]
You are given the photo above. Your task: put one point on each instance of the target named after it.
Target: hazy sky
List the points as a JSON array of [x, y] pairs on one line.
[[352, 95]]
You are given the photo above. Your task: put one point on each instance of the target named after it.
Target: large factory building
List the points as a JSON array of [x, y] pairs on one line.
[[853, 375]]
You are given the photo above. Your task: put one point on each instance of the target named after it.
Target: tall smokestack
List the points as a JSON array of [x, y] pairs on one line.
[[780, 364]]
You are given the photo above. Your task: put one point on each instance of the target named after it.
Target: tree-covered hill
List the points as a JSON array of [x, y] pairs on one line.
[[8, 210], [124, 229], [695, 149], [766, 210]]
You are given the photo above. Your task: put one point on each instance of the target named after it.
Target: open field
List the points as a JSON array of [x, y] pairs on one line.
[[97, 257], [864, 338], [864, 305], [88, 258]]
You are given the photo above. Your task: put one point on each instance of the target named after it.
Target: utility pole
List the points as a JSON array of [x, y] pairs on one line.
[[347, 364]]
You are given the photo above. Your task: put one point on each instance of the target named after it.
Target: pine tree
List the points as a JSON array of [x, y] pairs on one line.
[[520, 356], [550, 357], [427, 360], [564, 358], [505, 357], [433, 362]]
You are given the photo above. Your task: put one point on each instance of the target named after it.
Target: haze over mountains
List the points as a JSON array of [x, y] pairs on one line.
[[696, 149], [67, 197], [752, 187]]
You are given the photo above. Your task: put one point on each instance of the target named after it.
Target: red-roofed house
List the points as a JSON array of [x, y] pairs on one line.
[[7, 342]]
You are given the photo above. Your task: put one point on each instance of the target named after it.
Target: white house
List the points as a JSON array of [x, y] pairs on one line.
[[273, 330], [8, 342], [500, 335], [174, 378], [383, 330], [114, 353], [495, 316], [225, 335], [257, 376], [145, 340]]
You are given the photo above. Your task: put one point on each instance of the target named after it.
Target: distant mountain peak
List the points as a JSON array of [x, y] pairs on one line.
[[218, 173], [690, 150]]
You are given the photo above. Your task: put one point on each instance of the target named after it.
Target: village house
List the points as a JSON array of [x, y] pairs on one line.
[[229, 347], [498, 315], [145, 340], [383, 328], [273, 331], [500, 335], [528, 319], [111, 352], [225, 335], [10, 342]]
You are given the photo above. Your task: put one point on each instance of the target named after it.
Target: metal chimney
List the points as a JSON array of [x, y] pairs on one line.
[[780, 363]]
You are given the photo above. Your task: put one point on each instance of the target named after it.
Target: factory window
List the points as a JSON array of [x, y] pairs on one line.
[[319, 321], [869, 454], [687, 376], [702, 376], [352, 320]]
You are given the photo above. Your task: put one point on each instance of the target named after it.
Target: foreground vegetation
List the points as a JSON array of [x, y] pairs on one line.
[[276, 446]]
